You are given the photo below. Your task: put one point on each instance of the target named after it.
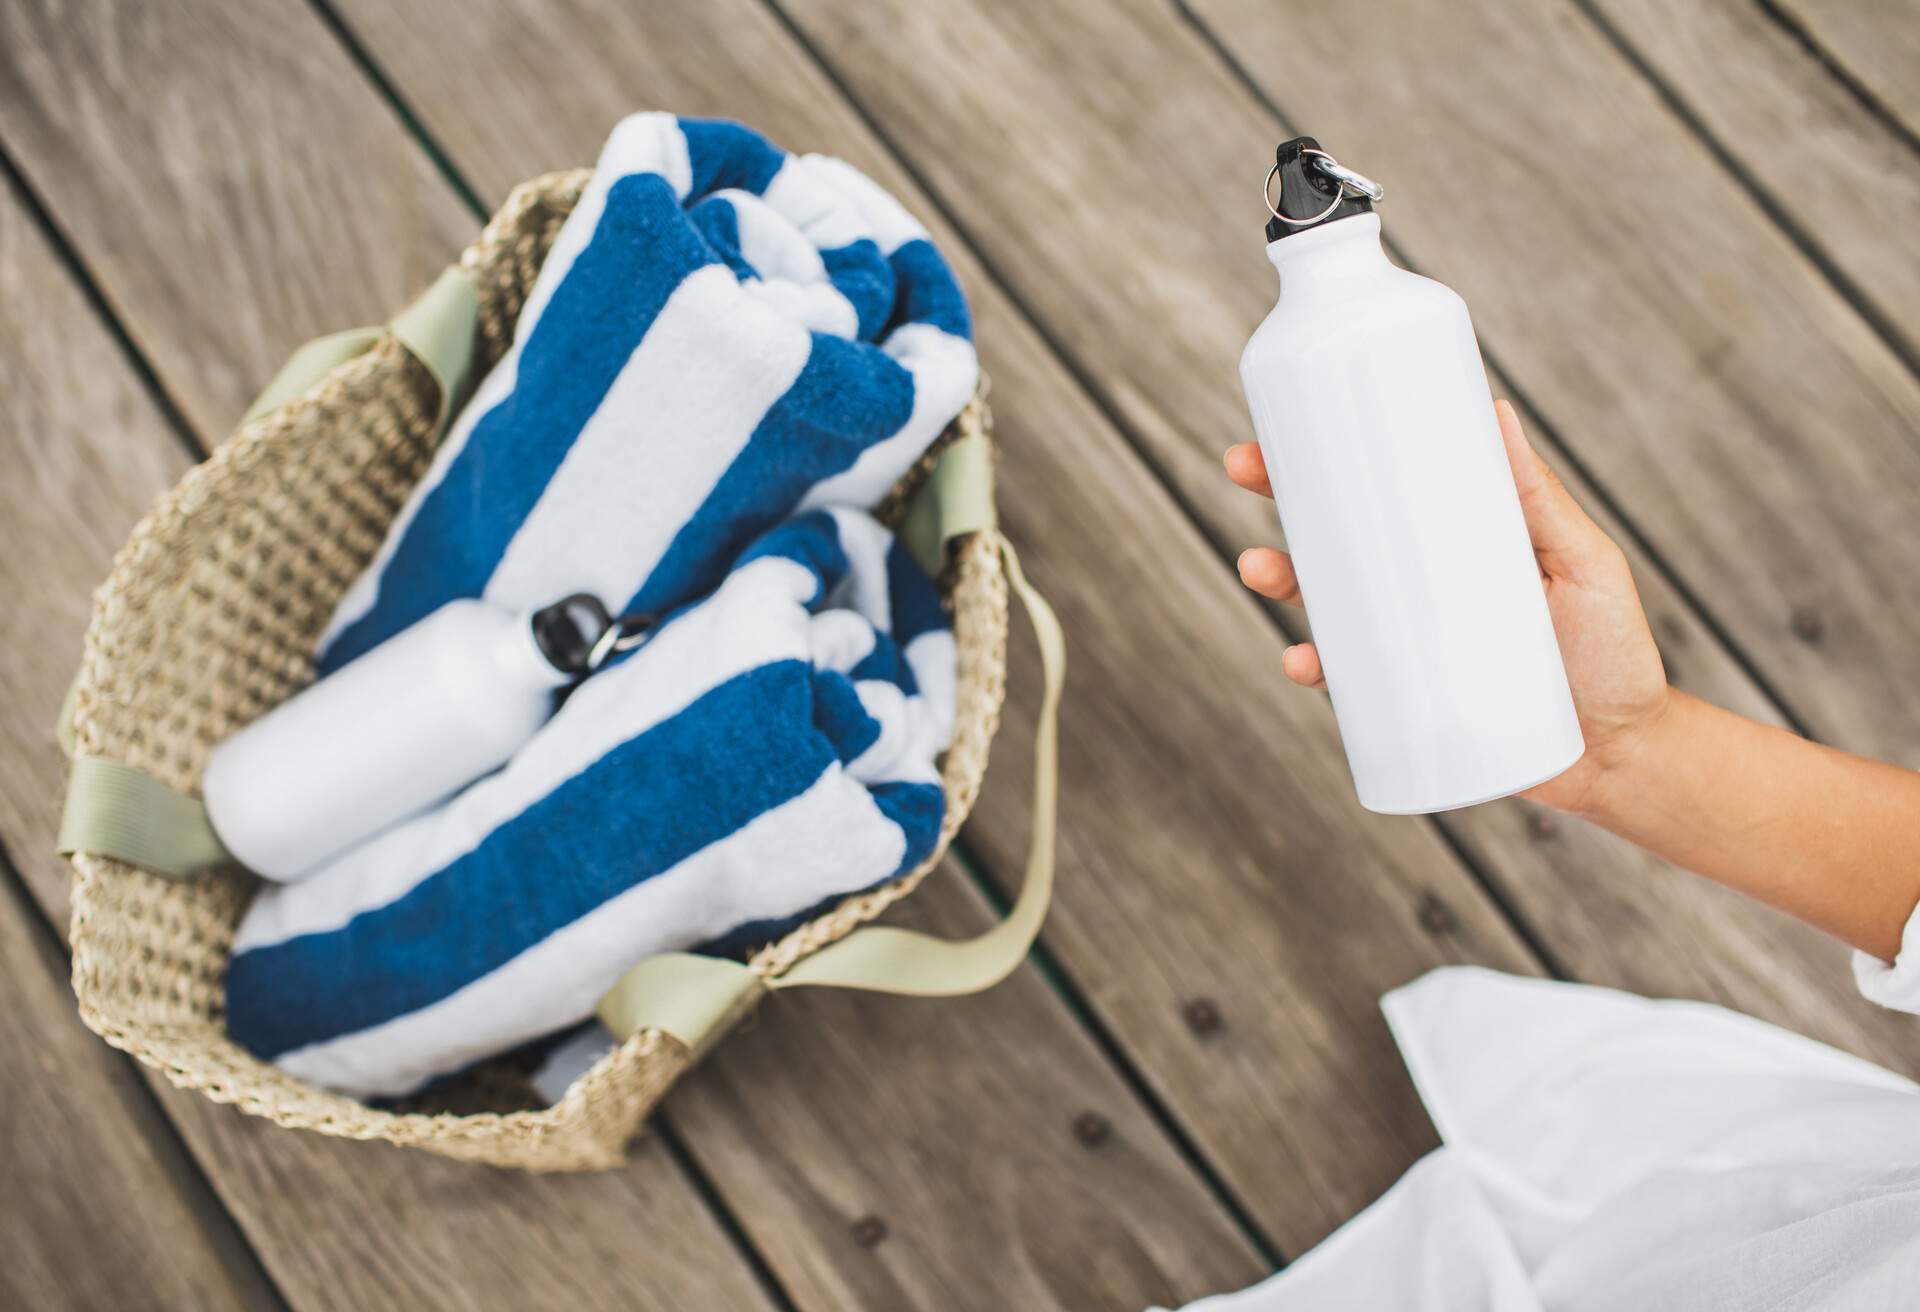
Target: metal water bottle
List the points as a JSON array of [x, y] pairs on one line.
[[406, 725], [1398, 503]]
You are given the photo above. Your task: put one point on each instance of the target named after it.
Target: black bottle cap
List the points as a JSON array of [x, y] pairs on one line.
[[1305, 194], [568, 631]]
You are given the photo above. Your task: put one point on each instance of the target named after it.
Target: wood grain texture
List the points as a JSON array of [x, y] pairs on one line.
[[178, 146], [1130, 236], [1200, 861], [86, 452], [951, 1155], [1844, 178], [336, 1224], [98, 1205], [1876, 41]]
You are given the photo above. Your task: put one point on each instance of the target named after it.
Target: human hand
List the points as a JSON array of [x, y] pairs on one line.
[[1619, 684]]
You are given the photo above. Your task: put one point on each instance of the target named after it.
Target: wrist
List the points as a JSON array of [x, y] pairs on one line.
[[1625, 764]]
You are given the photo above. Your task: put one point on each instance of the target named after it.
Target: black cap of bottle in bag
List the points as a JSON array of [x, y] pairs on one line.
[[570, 631]]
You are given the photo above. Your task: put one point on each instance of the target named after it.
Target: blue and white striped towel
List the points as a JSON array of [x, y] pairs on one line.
[[722, 334], [769, 749]]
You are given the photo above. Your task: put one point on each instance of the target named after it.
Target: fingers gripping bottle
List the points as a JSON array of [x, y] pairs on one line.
[[1398, 504]]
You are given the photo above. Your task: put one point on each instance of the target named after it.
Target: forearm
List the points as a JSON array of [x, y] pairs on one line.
[[1830, 838]]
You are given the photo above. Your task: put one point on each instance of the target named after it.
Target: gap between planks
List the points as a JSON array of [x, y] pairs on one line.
[[1839, 63], [1074, 999], [224, 1242], [1677, 104], [13, 175]]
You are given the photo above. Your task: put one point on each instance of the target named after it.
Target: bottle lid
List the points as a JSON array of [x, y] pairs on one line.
[[569, 632], [1315, 189], [577, 634]]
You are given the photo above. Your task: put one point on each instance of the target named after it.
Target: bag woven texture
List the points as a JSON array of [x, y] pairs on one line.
[[208, 619]]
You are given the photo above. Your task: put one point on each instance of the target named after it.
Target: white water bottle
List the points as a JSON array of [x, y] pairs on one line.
[[404, 726], [1373, 413]]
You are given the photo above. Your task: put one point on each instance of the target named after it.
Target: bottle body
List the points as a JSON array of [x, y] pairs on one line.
[[383, 738], [1372, 410]]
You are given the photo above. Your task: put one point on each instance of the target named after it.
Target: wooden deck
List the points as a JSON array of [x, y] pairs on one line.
[[1687, 234]]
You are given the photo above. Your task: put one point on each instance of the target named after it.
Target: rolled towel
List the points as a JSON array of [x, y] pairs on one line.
[[722, 334], [769, 749]]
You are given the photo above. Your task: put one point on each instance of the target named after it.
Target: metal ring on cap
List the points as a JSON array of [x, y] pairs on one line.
[[624, 634], [1346, 177], [1266, 191], [604, 646], [1344, 180]]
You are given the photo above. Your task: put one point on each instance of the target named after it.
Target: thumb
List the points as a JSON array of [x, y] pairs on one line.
[[1564, 536]]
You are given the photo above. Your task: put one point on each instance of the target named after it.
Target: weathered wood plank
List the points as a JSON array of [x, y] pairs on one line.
[[102, 1208], [888, 1146], [357, 1226], [86, 453], [1134, 237], [1172, 1241], [1876, 41], [1201, 862], [187, 138], [1844, 178], [338, 1225]]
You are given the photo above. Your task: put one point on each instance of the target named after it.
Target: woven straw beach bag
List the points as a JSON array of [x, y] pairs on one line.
[[208, 619]]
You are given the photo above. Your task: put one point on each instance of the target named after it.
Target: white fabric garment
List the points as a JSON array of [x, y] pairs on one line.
[[1607, 1153], [1896, 986]]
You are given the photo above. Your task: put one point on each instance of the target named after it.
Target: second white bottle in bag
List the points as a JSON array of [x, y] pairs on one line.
[[405, 726], [1373, 413]]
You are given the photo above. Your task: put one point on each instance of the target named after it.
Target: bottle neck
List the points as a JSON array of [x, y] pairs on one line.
[[517, 650], [1334, 252]]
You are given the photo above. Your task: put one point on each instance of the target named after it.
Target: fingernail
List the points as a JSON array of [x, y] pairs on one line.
[[1240, 563]]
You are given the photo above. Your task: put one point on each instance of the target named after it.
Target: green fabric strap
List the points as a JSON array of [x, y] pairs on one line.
[[115, 809], [118, 811], [697, 999], [957, 500], [437, 329], [308, 365]]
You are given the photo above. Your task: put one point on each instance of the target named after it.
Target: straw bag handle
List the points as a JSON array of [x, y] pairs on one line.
[[437, 330]]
